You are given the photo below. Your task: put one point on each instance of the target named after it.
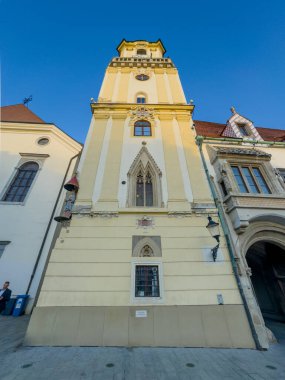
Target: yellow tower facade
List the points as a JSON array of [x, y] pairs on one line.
[[134, 267]]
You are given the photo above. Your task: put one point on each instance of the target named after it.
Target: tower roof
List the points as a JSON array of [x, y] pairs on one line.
[[155, 43], [19, 113]]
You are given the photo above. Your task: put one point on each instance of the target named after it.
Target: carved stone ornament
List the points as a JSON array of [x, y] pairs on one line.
[[142, 70], [141, 112], [145, 222]]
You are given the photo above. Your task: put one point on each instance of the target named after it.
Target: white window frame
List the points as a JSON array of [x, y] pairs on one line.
[[146, 300]]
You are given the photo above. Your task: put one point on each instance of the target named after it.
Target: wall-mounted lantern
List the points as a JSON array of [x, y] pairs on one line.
[[213, 228]]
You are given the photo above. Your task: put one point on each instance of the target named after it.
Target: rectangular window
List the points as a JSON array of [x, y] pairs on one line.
[[147, 281], [250, 179]]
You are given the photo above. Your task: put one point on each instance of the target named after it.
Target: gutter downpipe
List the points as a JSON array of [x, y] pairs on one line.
[[49, 224], [199, 141]]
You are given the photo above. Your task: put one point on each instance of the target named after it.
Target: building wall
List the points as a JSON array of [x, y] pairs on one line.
[[262, 215], [24, 225]]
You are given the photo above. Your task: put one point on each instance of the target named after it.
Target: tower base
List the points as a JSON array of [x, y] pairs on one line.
[[156, 326]]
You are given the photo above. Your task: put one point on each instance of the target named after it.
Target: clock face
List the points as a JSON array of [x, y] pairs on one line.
[[142, 77]]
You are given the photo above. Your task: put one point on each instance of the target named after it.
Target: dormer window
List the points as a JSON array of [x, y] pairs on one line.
[[141, 52], [243, 130]]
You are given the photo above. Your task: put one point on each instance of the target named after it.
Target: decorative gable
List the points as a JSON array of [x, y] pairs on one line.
[[240, 127]]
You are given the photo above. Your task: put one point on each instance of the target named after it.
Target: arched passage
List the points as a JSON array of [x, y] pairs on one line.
[[267, 262]]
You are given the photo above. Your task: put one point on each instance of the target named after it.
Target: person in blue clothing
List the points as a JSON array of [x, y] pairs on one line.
[[5, 295]]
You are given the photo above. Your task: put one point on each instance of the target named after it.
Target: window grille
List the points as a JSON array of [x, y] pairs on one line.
[[147, 281], [21, 183]]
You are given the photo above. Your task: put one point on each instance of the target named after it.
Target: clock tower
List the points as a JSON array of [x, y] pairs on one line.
[[134, 265]]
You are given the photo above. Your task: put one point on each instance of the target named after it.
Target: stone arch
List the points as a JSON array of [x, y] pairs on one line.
[[144, 242], [263, 230]]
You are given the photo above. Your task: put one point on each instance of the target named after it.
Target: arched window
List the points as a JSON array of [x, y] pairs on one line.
[[141, 52], [21, 183], [141, 99], [142, 128], [144, 189]]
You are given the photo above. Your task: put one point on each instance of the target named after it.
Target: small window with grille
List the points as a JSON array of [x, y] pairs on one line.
[[147, 281]]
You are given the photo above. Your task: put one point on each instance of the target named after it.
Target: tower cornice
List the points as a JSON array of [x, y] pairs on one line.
[[126, 107]]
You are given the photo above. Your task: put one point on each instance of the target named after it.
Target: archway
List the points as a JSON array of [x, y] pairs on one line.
[[267, 263]]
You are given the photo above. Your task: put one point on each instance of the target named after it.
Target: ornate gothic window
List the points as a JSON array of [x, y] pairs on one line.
[[144, 182], [21, 183], [142, 128]]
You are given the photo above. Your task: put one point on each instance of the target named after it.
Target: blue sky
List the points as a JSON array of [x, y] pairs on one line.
[[228, 53]]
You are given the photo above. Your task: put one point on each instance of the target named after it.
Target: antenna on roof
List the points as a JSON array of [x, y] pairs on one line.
[[26, 101]]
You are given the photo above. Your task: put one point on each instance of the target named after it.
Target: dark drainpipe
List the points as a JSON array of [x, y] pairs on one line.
[[49, 224], [199, 140]]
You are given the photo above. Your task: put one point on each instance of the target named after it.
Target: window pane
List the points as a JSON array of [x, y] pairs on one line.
[[261, 181], [140, 190], [239, 179], [148, 190], [138, 131], [146, 131], [146, 281], [250, 180]]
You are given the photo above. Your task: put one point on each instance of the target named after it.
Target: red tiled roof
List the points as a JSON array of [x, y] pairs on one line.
[[19, 113], [209, 129]]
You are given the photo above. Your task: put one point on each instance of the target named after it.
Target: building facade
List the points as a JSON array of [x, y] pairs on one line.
[[135, 266], [35, 158], [246, 166]]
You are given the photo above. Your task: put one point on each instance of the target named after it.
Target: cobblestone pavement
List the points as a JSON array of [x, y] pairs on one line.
[[73, 363]]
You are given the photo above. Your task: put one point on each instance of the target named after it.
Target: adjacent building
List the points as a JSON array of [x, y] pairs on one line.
[[135, 266], [246, 170], [35, 159]]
